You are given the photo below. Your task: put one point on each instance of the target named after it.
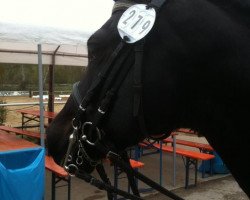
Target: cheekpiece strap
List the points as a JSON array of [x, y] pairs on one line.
[[76, 94], [156, 4]]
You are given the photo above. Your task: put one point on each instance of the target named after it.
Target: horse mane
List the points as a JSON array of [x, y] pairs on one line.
[[238, 9]]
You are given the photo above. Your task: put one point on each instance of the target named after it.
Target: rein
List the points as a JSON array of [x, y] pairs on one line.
[[89, 133]]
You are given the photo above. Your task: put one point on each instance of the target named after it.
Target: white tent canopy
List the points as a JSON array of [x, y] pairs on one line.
[[61, 29], [24, 25], [18, 44]]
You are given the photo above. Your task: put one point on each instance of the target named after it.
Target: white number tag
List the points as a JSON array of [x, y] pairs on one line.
[[136, 22]]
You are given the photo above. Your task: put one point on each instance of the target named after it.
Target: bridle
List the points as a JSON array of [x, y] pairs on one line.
[[90, 133]]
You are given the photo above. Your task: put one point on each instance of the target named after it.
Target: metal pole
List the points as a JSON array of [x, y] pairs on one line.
[[160, 163], [51, 89], [174, 158], [40, 78], [40, 74], [51, 82]]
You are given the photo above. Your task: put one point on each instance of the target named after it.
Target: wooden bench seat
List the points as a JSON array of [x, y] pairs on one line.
[[21, 132], [58, 174], [201, 146], [136, 164], [55, 168], [186, 130], [191, 157], [186, 153]]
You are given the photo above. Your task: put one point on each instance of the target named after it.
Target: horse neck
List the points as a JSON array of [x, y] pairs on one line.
[[237, 9], [182, 72]]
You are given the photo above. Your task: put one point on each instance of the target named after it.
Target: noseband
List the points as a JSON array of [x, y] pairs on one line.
[[90, 133]]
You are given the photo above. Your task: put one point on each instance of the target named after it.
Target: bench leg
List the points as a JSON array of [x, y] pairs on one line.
[[187, 172], [54, 182], [160, 164], [188, 163], [211, 167], [116, 176], [196, 171], [53, 188], [203, 169], [22, 121], [69, 187]]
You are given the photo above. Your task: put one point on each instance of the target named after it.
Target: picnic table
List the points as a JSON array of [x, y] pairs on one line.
[[34, 115]]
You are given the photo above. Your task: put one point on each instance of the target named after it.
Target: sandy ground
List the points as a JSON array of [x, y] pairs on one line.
[[216, 187], [13, 117]]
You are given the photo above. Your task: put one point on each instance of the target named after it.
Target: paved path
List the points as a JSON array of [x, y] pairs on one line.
[[221, 189]]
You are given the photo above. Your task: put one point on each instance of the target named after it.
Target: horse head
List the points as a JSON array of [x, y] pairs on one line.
[[195, 73], [119, 127]]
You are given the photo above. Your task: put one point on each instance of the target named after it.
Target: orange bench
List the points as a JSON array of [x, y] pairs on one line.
[[186, 153], [58, 174], [21, 132], [202, 147], [192, 158], [136, 164], [186, 130]]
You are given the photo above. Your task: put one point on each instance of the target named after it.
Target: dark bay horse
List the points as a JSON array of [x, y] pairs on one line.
[[196, 74]]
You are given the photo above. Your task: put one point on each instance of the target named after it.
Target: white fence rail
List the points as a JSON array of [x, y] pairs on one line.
[[30, 103], [29, 93]]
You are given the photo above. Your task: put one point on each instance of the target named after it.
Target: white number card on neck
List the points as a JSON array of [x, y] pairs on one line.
[[136, 22]]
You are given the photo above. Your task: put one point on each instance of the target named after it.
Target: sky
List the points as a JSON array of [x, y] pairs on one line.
[[82, 15]]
